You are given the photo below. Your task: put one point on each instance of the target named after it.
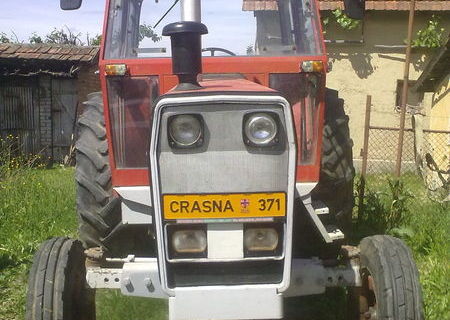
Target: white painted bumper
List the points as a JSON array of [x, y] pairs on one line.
[[226, 302], [140, 277]]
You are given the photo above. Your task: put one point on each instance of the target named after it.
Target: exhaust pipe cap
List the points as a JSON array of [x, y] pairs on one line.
[[186, 46]]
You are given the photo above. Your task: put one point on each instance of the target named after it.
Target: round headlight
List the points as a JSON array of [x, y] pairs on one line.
[[260, 128], [185, 130]]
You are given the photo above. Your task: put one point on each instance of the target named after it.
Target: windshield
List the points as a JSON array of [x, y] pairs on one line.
[[236, 28]]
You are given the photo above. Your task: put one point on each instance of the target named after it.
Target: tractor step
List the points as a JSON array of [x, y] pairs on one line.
[[320, 207], [334, 232]]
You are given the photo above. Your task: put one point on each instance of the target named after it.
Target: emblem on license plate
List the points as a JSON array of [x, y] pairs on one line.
[[244, 205]]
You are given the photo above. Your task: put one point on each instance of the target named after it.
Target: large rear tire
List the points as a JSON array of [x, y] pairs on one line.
[[335, 187], [98, 211], [390, 282], [57, 287]]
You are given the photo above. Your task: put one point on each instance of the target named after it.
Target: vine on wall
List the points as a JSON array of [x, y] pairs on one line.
[[341, 19], [431, 36], [344, 21]]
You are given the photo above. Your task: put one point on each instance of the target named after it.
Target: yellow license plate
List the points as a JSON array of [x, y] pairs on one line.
[[216, 206]]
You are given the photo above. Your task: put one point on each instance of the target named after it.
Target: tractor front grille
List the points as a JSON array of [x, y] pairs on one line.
[[223, 164]]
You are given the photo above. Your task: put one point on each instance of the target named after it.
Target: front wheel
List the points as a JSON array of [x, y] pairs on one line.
[[390, 282], [57, 283]]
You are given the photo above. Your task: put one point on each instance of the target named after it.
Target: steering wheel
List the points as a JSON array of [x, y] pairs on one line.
[[214, 49]]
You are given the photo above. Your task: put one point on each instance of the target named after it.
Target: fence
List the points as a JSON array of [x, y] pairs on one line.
[[425, 153], [383, 147]]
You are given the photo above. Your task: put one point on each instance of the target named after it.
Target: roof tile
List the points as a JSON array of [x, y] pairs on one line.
[[48, 52], [11, 49], [421, 5]]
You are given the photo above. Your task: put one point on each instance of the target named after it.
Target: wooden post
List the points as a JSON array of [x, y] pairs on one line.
[[398, 165], [364, 154]]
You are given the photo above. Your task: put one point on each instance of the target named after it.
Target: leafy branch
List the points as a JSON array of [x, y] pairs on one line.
[[146, 31], [430, 36], [344, 21]]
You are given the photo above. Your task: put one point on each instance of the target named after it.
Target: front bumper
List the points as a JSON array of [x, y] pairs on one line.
[[140, 277]]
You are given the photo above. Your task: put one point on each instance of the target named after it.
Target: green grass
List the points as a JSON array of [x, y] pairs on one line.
[[34, 206], [39, 204], [424, 226]]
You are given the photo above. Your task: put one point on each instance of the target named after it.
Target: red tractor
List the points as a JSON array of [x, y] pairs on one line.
[[220, 176]]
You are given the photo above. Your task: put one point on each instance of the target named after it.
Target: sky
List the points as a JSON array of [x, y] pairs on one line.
[[229, 27], [23, 17]]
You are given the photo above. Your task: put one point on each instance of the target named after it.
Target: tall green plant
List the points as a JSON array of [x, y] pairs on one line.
[[430, 36], [399, 197], [383, 211]]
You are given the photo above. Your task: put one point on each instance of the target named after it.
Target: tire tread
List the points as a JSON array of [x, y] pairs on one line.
[[396, 277]]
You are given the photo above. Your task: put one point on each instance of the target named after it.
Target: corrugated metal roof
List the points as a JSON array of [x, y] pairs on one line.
[[421, 5], [48, 52]]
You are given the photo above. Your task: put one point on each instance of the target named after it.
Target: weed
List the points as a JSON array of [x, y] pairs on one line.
[[13, 161], [382, 210], [399, 203]]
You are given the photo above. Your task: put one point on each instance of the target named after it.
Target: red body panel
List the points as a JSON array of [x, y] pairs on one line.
[[256, 69], [229, 85]]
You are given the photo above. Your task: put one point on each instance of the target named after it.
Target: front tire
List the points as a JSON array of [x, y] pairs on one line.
[[390, 281], [57, 288]]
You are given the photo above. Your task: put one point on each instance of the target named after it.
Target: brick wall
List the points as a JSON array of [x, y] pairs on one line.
[[45, 115], [88, 81]]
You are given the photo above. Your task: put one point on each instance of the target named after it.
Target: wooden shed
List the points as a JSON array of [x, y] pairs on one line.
[[41, 89]]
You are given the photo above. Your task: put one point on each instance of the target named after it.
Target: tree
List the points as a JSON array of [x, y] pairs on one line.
[[94, 41], [146, 31], [4, 38], [60, 36], [66, 36], [35, 38]]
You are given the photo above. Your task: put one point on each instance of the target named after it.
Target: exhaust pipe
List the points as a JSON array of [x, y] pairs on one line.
[[191, 10], [186, 45]]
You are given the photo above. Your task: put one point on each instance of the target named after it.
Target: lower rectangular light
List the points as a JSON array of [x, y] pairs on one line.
[[189, 241], [260, 239]]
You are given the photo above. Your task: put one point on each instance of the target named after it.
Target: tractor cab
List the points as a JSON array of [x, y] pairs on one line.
[[241, 28], [215, 170]]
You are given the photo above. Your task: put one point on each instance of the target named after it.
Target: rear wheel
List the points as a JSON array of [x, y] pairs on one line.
[[335, 187], [390, 282], [57, 286], [99, 211]]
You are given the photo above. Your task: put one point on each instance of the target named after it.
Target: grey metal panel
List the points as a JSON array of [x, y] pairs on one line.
[[19, 112], [64, 105], [224, 163]]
